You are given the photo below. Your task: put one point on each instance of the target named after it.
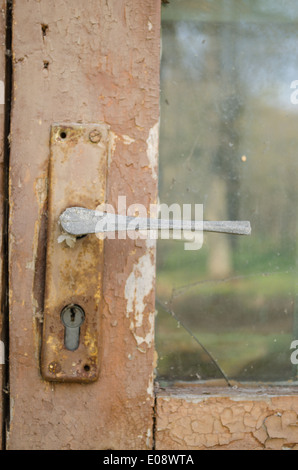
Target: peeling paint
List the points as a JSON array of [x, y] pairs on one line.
[[127, 140], [152, 148], [149, 336], [112, 146], [148, 438], [150, 388], [138, 286], [220, 422]]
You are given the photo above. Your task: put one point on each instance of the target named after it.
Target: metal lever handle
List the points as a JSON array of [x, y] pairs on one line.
[[79, 221]]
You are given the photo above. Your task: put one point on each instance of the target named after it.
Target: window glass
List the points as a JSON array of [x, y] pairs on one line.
[[229, 141]]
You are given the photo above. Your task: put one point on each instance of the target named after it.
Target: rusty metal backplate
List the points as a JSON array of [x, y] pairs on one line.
[[77, 177]]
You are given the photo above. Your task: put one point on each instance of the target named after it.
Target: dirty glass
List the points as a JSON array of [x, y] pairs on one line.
[[229, 141]]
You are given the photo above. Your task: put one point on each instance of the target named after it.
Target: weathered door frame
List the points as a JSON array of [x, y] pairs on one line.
[[2, 78], [84, 62], [5, 104]]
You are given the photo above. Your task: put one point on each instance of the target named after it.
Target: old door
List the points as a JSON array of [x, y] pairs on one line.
[[85, 86], [79, 64]]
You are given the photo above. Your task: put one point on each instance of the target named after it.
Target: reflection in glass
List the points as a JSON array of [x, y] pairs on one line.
[[229, 140]]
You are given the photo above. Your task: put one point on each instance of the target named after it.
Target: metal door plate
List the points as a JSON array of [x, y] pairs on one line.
[[77, 177]]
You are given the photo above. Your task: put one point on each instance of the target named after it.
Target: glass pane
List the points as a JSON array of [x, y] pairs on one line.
[[229, 141]]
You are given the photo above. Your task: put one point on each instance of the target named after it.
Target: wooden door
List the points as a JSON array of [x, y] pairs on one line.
[[83, 62]]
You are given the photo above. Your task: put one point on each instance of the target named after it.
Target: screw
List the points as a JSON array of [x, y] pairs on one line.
[[54, 367], [95, 136]]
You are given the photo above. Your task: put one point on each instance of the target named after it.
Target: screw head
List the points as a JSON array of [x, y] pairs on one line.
[[95, 136]]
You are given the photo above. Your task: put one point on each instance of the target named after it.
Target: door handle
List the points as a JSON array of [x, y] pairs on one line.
[[73, 285], [79, 221]]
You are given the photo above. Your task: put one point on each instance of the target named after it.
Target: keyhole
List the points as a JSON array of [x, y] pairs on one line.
[[73, 314], [72, 317]]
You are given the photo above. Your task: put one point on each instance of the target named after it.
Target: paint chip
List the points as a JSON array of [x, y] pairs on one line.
[[152, 148]]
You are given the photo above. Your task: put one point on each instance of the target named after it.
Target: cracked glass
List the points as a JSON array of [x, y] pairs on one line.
[[228, 312]]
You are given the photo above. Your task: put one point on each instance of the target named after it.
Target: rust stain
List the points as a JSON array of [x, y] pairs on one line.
[[73, 274]]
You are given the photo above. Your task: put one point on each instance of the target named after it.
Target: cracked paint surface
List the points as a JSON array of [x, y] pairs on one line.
[[138, 287], [227, 423]]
